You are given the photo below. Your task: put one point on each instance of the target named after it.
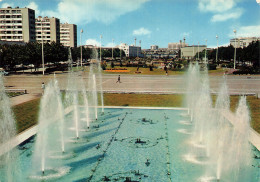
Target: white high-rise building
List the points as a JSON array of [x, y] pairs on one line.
[[47, 29], [242, 42], [68, 34], [131, 50], [17, 24]]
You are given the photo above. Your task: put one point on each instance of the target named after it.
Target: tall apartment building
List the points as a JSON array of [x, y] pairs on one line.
[[17, 24], [47, 29], [242, 41], [68, 34]]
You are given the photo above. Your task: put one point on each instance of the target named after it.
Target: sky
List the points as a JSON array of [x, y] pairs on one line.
[[153, 22]]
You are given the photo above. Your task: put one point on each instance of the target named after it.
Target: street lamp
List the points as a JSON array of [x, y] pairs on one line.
[[81, 31], [217, 49], [42, 49], [206, 52], [120, 51], [198, 51], [235, 32], [193, 55], [112, 49], [100, 46]]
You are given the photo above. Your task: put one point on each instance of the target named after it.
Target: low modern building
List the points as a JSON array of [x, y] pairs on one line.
[[131, 50], [47, 29], [17, 24], [160, 53], [190, 51], [68, 34], [242, 42], [154, 47]]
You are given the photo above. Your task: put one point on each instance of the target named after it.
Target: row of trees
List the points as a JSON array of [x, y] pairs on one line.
[[251, 54], [31, 54]]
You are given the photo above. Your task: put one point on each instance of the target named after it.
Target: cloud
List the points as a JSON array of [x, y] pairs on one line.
[[216, 5], [93, 42], [227, 15], [186, 34], [86, 11], [142, 31], [222, 45], [247, 31], [110, 44], [5, 5], [222, 10], [35, 7]]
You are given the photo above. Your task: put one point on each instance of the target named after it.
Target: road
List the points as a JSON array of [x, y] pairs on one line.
[[135, 83]]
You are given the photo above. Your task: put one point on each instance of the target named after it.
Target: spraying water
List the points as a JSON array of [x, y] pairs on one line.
[[95, 95], [51, 112], [71, 100], [100, 85], [7, 132]]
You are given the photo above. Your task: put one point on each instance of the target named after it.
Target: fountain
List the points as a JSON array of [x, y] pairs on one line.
[[127, 144], [51, 116], [71, 100], [85, 103], [100, 85], [7, 132], [220, 144], [93, 91]]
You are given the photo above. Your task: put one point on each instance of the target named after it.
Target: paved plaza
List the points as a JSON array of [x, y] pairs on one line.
[[159, 84]]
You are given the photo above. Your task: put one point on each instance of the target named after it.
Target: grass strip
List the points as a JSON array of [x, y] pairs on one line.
[[26, 114]]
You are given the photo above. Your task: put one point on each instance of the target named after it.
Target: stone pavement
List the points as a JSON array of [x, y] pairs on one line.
[[150, 84]]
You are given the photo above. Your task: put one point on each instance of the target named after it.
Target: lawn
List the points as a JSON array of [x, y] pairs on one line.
[[145, 71], [26, 114]]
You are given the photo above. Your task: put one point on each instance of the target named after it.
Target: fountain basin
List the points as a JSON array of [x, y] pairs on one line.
[[118, 159]]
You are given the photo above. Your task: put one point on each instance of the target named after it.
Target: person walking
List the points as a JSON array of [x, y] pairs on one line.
[[118, 79], [43, 87]]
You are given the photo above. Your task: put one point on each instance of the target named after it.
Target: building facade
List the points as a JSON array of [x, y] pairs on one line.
[[154, 47], [190, 51], [47, 29], [131, 50], [177, 45], [68, 34], [17, 24], [242, 42]]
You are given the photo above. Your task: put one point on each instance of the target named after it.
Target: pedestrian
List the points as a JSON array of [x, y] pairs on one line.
[[166, 72], [118, 79], [43, 87]]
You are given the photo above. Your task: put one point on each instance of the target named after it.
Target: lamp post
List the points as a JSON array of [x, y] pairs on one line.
[[120, 51], [42, 50], [235, 32], [140, 47], [198, 51], [81, 31], [206, 52], [193, 51], [217, 49], [100, 46], [112, 49]]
